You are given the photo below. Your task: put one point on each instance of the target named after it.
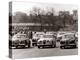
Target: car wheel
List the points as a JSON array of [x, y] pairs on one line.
[[62, 47], [53, 46], [23, 46], [39, 47], [28, 45], [42, 46], [75, 46], [17, 46]]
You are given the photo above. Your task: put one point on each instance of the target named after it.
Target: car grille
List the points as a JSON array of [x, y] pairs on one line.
[[67, 42], [44, 42], [22, 42]]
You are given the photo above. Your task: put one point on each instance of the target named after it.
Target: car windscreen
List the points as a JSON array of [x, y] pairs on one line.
[[69, 36], [47, 36], [21, 36]]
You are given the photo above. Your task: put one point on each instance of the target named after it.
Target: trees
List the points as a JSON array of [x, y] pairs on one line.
[[45, 17], [20, 17], [66, 18]]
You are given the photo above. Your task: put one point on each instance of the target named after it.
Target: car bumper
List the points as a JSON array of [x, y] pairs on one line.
[[44, 44], [68, 44], [18, 45]]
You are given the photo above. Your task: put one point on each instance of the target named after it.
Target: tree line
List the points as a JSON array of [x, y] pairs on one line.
[[37, 15]]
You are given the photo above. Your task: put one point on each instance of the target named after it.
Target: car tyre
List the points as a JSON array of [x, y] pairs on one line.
[[62, 47], [53, 46], [23, 46], [42, 46], [39, 47], [75, 46], [17, 46], [29, 44]]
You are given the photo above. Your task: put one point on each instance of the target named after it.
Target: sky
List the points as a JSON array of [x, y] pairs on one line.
[[26, 7]]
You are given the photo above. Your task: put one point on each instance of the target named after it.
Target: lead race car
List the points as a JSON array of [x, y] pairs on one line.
[[47, 40]]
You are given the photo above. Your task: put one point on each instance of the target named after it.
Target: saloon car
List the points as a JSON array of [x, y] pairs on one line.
[[20, 40], [47, 40], [68, 40]]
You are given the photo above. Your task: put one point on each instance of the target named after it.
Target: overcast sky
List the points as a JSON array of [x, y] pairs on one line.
[[27, 6]]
